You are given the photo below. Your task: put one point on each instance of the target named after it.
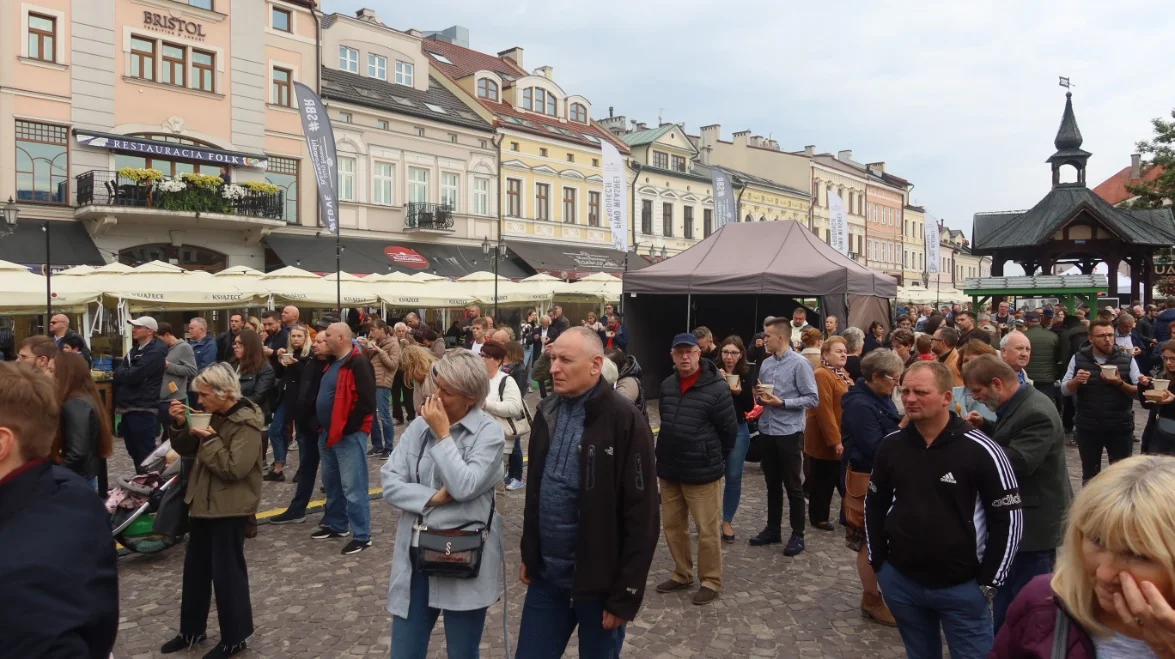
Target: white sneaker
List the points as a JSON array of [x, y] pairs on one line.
[[515, 485]]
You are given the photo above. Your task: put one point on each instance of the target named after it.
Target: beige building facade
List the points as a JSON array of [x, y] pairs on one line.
[[840, 175], [103, 101], [913, 245]]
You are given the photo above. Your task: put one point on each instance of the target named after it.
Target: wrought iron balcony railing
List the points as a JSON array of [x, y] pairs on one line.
[[434, 217], [101, 188]]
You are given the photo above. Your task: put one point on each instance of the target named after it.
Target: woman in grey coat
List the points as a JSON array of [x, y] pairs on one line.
[[445, 469]]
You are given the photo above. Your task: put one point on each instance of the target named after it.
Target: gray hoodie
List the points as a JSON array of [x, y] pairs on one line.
[[181, 360]]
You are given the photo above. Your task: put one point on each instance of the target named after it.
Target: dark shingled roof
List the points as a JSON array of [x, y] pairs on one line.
[[1037, 225], [381, 95]]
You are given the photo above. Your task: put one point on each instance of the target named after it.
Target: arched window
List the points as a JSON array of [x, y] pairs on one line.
[[487, 89], [578, 113], [537, 99], [762, 218], [748, 218]]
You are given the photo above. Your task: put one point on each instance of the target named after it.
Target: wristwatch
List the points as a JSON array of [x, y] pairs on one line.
[[988, 593]]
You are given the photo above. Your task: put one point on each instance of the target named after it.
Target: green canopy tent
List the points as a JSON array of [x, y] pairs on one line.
[[1070, 290]]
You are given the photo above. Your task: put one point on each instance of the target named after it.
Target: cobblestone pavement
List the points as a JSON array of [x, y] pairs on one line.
[[310, 601]]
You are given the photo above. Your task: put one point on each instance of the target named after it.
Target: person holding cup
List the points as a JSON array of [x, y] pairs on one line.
[[1158, 437], [1103, 378], [742, 383], [224, 489]]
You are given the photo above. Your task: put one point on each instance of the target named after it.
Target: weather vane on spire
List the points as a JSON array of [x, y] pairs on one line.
[[1064, 82]]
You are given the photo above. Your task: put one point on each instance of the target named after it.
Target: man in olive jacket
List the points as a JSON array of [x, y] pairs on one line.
[[698, 430], [1043, 363], [590, 525], [1029, 429]]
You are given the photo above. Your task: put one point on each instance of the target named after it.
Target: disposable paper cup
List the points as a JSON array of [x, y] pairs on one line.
[[1152, 394], [767, 388], [1109, 371], [198, 421], [287, 359], [732, 379], [1161, 385]]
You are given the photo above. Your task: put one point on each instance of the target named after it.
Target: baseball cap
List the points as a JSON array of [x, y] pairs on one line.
[[1020, 323], [1032, 317], [685, 339], [145, 321]]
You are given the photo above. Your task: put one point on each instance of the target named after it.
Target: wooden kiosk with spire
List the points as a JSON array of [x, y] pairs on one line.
[[1073, 226]]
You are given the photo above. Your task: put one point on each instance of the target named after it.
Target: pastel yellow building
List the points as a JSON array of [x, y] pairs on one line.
[[551, 182], [914, 245]]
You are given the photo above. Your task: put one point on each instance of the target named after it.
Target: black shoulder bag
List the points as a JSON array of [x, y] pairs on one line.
[[452, 553]]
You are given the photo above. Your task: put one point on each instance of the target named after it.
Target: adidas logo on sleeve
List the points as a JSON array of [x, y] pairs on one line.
[[949, 478]]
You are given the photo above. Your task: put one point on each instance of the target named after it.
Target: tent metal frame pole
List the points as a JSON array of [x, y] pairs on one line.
[[688, 308], [338, 275]]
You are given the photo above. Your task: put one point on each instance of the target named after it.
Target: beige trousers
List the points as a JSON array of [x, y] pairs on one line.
[[679, 502]]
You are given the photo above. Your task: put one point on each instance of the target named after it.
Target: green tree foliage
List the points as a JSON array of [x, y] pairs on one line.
[[1159, 191]]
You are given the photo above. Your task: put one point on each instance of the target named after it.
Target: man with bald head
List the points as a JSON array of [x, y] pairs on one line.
[[591, 521], [290, 316], [345, 404], [1016, 351], [59, 329]]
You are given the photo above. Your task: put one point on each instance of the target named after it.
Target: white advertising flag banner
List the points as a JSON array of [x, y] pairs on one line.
[[932, 245], [838, 226], [615, 195]]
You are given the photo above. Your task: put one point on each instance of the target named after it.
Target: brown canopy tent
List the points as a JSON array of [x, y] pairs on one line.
[[742, 273]]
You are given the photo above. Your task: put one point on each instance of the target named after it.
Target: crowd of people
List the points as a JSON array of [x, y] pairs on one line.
[[962, 412]]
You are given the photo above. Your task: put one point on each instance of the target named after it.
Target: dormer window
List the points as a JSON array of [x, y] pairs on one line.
[[537, 99], [578, 113], [487, 89]]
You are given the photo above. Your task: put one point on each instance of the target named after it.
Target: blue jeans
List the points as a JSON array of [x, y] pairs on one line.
[[279, 434], [1025, 566], [733, 490], [962, 612], [344, 475], [308, 459], [139, 430], [410, 635], [550, 615], [514, 466], [383, 431]]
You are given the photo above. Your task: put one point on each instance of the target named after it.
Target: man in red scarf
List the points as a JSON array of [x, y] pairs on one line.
[[58, 563]]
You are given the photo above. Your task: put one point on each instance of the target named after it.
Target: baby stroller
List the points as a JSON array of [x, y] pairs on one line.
[[147, 511]]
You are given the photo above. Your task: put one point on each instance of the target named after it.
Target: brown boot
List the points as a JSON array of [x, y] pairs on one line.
[[872, 606]]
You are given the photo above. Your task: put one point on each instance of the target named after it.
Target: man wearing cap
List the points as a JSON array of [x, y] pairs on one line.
[[698, 429], [137, 383], [1044, 361]]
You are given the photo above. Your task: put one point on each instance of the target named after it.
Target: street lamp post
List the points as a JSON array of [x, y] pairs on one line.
[[11, 216], [495, 252]]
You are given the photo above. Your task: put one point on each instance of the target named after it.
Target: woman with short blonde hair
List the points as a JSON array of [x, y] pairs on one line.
[[1114, 571]]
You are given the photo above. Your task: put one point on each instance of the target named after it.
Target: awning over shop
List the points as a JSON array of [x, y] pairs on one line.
[[69, 243], [569, 261], [363, 256]]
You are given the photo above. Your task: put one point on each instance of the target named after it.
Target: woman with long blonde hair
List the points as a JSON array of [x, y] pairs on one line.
[[416, 365], [1109, 594]]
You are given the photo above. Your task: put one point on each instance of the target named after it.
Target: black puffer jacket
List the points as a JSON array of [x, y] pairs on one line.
[[698, 428]]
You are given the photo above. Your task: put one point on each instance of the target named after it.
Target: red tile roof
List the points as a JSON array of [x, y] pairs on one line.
[[1113, 189], [466, 62]]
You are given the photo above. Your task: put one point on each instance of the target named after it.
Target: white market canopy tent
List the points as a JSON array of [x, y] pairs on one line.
[[22, 292], [158, 286], [290, 285], [924, 295], [600, 286]]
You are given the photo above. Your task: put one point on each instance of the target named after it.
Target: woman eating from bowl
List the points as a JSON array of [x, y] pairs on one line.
[[442, 475], [1110, 593], [223, 491]]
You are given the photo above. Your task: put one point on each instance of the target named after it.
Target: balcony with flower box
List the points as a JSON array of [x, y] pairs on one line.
[[429, 218], [141, 196]]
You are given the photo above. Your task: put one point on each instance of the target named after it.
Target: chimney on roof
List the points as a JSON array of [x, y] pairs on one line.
[[513, 54], [366, 14], [771, 144], [845, 156], [416, 33], [1135, 166], [616, 125], [810, 150], [611, 110], [546, 72], [878, 167], [755, 140]]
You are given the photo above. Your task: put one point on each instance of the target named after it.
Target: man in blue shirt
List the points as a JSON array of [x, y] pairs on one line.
[[202, 343], [786, 389]]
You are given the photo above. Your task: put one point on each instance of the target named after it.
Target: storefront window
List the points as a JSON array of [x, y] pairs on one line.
[[42, 162], [283, 172]]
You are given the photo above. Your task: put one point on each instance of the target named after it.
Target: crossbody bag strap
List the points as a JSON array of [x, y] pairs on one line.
[[1060, 635], [493, 501]]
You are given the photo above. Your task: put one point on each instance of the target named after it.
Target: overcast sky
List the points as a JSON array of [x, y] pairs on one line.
[[961, 100]]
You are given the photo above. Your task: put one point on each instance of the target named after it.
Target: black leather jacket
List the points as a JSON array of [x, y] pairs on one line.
[[80, 434]]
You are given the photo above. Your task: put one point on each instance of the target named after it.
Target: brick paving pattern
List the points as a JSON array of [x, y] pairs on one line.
[[310, 601]]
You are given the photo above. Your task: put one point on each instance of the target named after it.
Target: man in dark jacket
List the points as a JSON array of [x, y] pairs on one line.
[[57, 566], [345, 405], [1043, 362], [617, 335], [698, 429], [1104, 399], [138, 381], [1075, 335], [1028, 428], [224, 342], [59, 329], [965, 323], [590, 525], [1163, 324], [943, 547], [302, 401]]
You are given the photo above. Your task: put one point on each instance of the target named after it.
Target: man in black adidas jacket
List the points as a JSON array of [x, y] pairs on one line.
[[698, 429], [942, 521]]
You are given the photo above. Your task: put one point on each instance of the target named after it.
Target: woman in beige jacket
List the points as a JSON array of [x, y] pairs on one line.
[[224, 489]]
